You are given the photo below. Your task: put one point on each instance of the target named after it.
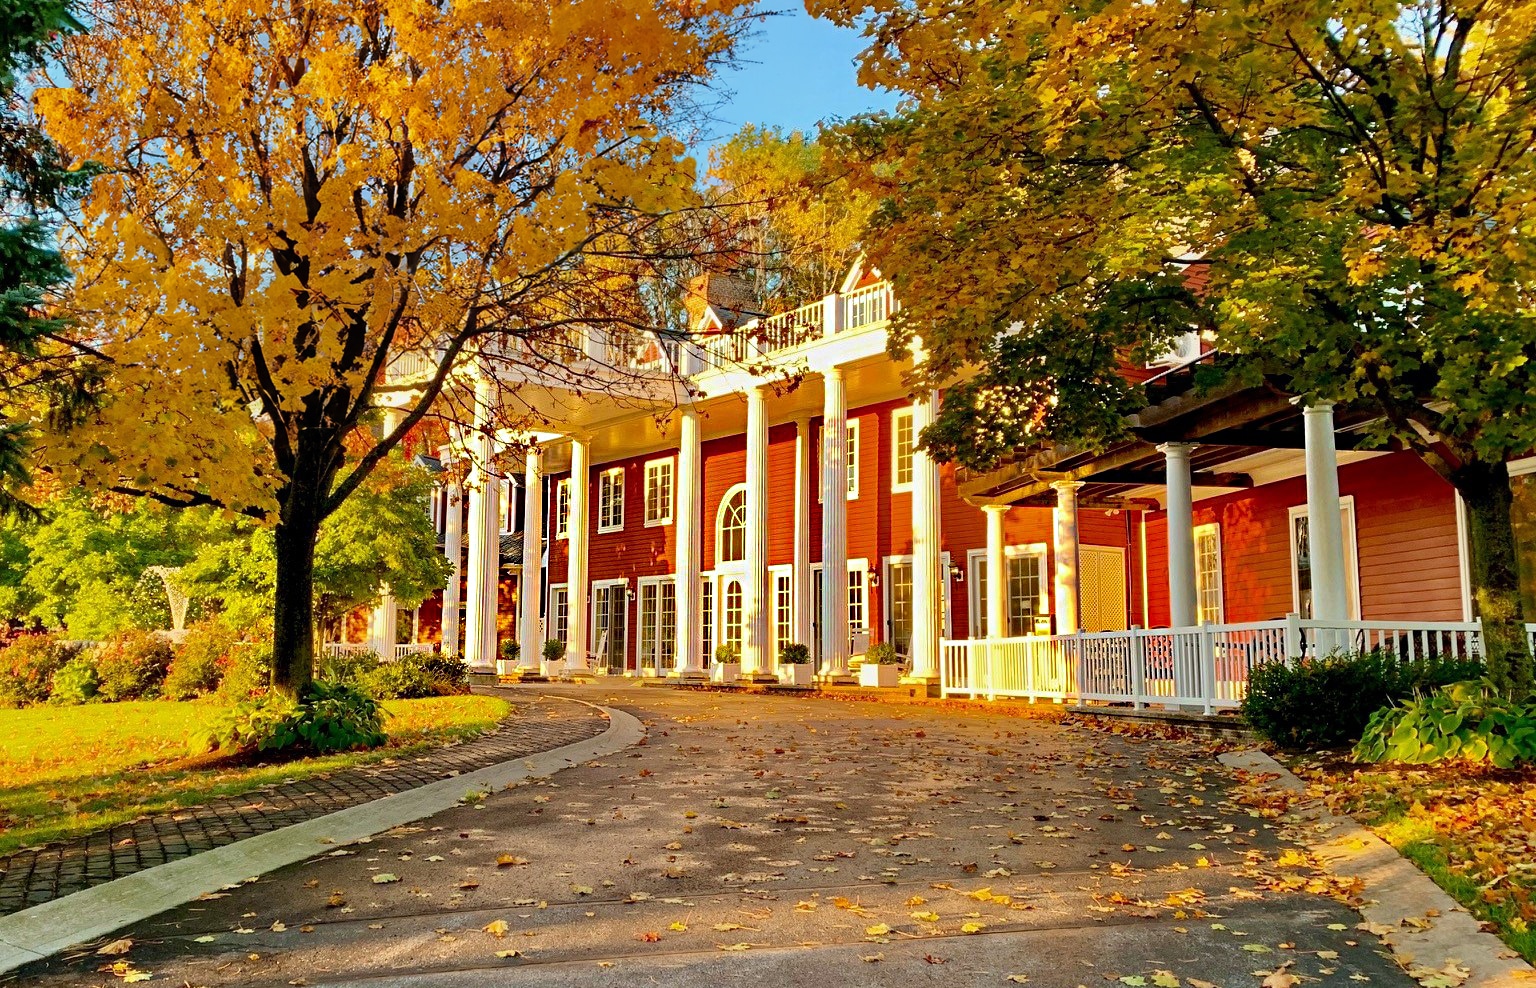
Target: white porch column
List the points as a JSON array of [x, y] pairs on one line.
[[1067, 580], [1325, 528], [484, 563], [688, 504], [834, 525], [756, 649], [1182, 611], [801, 619], [530, 645], [453, 548], [997, 572], [382, 621], [576, 658], [927, 531]]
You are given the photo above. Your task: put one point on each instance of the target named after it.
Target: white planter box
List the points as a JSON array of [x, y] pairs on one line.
[[881, 677], [796, 675], [725, 672]]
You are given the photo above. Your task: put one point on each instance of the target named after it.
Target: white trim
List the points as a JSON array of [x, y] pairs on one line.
[[898, 487], [1521, 467], [605, 478], [1464, 557], [775, 574], [975, 567], [562, 511], [641, 583], [947, 603], [1349, 528], [1212, 529], [645, 494], [1146, 602]]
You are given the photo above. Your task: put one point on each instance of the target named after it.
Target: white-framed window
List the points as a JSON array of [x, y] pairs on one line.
[[1301, 558], [707, 616], [782, 583], [1027, 589], [731, 612], [658, 492], [858, 594], [731, 526], [903, 443], [900, 600], [506, 505], [559, 612], [1208, 599], [658, 623], [610, 500], [853, 459], [563, 509]]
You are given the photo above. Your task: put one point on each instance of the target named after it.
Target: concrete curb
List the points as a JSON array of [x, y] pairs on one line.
[[1397, 889], [43, 930]]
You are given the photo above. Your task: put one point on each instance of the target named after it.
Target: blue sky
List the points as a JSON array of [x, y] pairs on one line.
[[796, 70]]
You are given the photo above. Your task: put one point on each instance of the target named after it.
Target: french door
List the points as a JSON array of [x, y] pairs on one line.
[[658, 625], [610, 628]]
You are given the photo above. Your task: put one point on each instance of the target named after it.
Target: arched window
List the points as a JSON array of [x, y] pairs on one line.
[[731, 527]]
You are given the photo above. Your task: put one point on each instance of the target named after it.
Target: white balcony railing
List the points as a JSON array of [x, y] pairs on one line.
[[361, 648], [1205, 667]]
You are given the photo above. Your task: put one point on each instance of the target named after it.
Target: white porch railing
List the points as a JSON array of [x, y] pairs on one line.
[[361, 648], [1205, 667]]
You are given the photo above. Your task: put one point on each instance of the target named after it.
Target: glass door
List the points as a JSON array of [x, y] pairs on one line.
[[609, 627]]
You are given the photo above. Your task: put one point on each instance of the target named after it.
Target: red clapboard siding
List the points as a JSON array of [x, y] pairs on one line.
[[1405, 523]]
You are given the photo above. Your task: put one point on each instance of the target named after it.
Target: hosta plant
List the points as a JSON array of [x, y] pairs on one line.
[[1469, 721], [329, 717]]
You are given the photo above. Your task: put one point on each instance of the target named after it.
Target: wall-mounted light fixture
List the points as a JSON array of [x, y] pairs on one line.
[[956, 573]]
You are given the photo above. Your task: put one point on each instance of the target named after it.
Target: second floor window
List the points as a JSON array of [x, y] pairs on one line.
[[563, 509], [658, 492], [902, 442], [610, 500]]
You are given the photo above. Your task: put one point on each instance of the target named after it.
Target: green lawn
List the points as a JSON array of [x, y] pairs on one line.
[[70, 770]]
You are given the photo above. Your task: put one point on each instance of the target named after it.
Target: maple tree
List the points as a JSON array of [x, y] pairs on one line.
[[1355, 180], [298, 197]]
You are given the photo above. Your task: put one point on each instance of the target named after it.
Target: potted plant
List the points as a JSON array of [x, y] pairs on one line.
[[506, 657], [795, 665], [554, 655], [882, 666], [727, 667]]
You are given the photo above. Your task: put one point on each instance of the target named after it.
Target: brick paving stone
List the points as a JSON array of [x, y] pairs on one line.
[[36, 875]]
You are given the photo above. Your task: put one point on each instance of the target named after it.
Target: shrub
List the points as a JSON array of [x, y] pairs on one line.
[[420, 674], [795, 654], [554, 651], [199, 661], [27, 666], [727, 654], [882, 654], [245, 671], [330, 717], [1469, 721], [131, 664], [1323, 703], [508, 649], [75, 681], [347, 667]]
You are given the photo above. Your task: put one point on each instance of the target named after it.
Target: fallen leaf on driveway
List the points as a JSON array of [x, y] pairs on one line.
[[496, 928], [116, 947], [384, 878]]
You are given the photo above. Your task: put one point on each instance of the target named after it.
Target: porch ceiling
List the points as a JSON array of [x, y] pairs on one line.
[[1226, 424]]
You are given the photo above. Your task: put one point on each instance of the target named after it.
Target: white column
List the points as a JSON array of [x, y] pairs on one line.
[[688, 505], [834, 525], [381, 623], [530, 645], [927, 532], [1182, 611], [801, 619], [576, 658], [453, 548], [1067, 580], [756, 649], [484, 535], [997, 572], [1325, 527]]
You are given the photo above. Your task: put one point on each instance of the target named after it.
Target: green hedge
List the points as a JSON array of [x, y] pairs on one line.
[[1326, 703]]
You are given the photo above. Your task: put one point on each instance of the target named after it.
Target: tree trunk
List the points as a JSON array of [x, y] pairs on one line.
[[293, 605], [1495, 580]]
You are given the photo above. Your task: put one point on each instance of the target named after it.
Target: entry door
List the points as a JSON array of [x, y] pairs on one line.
[[816, 597], [609, 626], [1101, 588]]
